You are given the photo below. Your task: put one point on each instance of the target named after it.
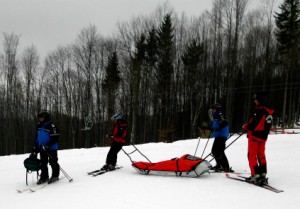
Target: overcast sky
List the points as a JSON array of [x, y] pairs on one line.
[[49, 23]]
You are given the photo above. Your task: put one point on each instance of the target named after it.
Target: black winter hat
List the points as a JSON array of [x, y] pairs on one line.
[[216, 106], [259, 96], [45, 114]]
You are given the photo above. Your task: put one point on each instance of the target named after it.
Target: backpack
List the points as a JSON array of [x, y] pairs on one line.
[[32, 163]]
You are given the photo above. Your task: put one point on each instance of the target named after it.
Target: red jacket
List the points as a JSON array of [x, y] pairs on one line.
[[120, 131], [260, 123]]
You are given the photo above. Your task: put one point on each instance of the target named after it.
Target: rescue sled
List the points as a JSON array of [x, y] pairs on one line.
[[187, 166]]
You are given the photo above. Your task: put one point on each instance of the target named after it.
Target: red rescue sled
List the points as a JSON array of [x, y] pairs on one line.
[[187, 165]]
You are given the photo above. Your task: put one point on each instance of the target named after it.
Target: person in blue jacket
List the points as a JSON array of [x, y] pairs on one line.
[[46, 143], [220, 130]]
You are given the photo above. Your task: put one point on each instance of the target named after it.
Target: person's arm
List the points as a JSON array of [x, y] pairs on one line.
[[223, 121], [54, 134], [254, 121]]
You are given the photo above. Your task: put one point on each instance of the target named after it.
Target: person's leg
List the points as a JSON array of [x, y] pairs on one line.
[[218, 152], [262, 157], [113, 153], [252, 156], [44, 165], [53, 160]]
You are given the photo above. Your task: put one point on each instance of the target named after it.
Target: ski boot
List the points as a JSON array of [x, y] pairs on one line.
[[254, 179], [217, 168], [111, 167], [228, 170], [42, 180], [263, 179], [53, 179], [104, 168]]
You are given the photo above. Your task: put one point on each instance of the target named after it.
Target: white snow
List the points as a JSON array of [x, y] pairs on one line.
[[126, 189]]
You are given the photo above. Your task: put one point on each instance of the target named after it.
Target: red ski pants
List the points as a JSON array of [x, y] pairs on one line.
[[256, 154]]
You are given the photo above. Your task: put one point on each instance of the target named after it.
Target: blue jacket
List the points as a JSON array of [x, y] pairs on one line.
[[220, 125], [47, 135]]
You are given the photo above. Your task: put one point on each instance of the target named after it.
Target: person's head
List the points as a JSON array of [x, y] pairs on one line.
[[259, 98], [215, 107], [43, 116], [116, 116]]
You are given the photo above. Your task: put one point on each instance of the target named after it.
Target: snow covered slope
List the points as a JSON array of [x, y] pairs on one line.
[[126, 189]]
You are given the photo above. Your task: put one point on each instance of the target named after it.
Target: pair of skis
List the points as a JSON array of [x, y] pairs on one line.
[[33, 188], [238, 177], [101, 172], [36, 187]]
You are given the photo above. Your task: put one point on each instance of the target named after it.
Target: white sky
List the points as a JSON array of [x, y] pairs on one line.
[[49, 23]]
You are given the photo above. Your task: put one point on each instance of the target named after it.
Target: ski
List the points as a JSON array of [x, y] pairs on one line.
[[243, 179], [23, 190], [31, 188], [95, 171], [38, 187], [237, 172], [100, 172]]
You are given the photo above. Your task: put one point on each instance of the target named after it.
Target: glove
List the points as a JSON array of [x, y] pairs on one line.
[[33, 155], [35, 149], [204, 126], [45, 148], [245, 126]]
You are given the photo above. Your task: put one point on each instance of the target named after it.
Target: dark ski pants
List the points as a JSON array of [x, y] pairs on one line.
[[51, 157], [218, 151], [256, 156], [113, 153]]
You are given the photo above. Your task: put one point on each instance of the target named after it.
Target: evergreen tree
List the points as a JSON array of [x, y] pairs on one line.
[[288, 38], [288, 24], [164, 74], [111, 82], [191, 78], [136, 69]]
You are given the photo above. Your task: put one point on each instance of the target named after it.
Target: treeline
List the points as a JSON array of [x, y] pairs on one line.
[[161, 71]]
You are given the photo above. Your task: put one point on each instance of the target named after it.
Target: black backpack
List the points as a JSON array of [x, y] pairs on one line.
[[32, 163]]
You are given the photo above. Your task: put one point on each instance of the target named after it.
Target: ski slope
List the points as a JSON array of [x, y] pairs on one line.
[[126, 189]]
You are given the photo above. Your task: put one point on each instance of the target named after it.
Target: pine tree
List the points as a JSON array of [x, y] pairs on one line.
[[191, 59], [288, 24], [136, 69], [164, 74], [288, 38], [111, 82]]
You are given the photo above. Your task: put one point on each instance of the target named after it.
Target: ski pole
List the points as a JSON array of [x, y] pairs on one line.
[[205, 145], [197, 145], [60, 168]]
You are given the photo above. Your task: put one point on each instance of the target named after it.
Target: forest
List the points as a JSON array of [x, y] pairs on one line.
[[162, 71]]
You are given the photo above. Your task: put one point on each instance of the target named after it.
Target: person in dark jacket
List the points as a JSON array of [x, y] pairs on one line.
[[258, 129], [119, 139], [46, 144], [220, 130]]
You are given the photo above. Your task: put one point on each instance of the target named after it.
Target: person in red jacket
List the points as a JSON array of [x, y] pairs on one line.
[[119, 139], [258, 129]]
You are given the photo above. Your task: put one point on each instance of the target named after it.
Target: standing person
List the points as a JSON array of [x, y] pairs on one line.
[[119, 139], [220, 129], [258, 129], [46, 144]]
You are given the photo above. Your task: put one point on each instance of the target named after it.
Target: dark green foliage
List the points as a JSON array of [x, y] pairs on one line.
[[288, 24], [164, 75], [112, 78], [166, 55], [111, 82]]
